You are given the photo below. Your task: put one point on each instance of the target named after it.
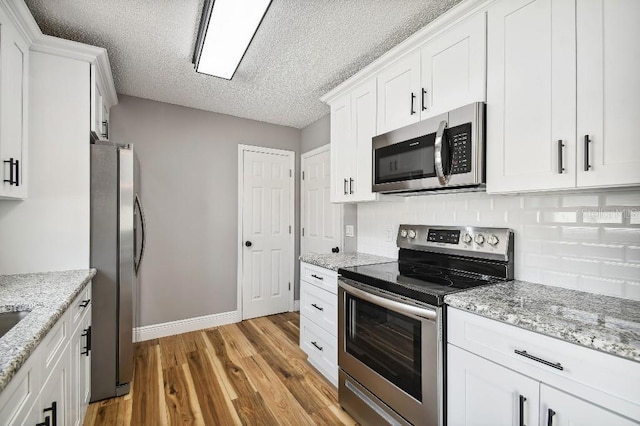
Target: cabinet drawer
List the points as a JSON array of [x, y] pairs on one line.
[[80, 305], [321, 347], [319, 306], [608, 380], [323, 278]]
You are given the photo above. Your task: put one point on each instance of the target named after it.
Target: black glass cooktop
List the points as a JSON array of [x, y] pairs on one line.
[[418, 281]]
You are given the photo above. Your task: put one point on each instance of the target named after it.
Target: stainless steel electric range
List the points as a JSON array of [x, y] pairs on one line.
[[392, 321]]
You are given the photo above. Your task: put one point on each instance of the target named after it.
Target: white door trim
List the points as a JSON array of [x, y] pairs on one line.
[[292, 166]]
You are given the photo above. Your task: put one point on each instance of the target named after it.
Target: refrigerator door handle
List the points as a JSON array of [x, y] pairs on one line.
[[138, 205]]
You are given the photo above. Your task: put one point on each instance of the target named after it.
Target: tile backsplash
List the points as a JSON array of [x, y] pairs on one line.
[[588, 241]]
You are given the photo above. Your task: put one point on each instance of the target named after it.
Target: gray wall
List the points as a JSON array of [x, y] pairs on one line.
[[315, 134], [189, 184]]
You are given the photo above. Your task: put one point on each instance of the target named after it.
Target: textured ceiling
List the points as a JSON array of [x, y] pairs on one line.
[[303, 49]]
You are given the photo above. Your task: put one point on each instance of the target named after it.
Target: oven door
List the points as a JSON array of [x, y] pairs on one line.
[[393, 349]]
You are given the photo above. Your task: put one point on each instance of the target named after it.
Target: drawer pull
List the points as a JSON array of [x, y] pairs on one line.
[[85, 303], [316, 345], [317, 307], [521, 414], [550, 414], [317, 277], [540, 360], [54, 413]]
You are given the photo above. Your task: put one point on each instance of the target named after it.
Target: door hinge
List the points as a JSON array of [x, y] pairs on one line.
[[303, 232], [289, 228], [303, 175], [290, 173], [289, 286]]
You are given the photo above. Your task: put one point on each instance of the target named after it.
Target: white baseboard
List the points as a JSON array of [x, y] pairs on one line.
[[164, 329], [296, 305]]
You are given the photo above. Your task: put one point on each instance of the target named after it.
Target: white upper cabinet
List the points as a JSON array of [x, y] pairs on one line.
[[608, 59], [14, 95], [99, 106], [446, 72], [353, 124], [453, 68], [562, 76]]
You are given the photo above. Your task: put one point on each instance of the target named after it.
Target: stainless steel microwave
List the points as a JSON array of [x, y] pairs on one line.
[[445, 152]]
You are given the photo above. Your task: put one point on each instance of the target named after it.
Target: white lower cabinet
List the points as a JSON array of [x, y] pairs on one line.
[[318, 319], [53, 386], [499, 374]]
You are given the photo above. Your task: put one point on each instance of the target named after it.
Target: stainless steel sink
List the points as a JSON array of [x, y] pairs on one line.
[[9, 319]]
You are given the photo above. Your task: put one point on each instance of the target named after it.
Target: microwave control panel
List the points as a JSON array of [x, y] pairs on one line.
[[460, 142]]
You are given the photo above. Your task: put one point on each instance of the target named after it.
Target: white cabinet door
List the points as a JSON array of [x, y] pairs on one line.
[[399, 93], [14, 95], [342, 149], [454, 68], [531, 95], [608, 64], [562, 409], [80, 385], [363, 122], [482, 393], [54, 398]]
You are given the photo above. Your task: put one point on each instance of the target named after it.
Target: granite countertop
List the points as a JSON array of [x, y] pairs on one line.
[[47, 295], [605, 323], [335, 261]]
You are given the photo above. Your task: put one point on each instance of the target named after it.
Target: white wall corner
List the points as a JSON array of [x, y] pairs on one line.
[[165, 329], [296, 306]]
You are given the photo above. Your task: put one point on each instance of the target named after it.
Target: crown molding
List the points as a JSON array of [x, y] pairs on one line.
[[433, 29], [39, 42]]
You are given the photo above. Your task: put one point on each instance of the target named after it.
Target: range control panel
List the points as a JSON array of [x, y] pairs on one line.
[[493, 243]]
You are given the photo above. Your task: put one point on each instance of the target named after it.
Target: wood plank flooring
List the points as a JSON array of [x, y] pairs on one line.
[[249, 373]]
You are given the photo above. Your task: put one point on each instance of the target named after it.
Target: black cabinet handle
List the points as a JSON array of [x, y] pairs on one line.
[[105, 126], [335, 250], [521, 414], [85, 303], [14, 172], [316, 345], [317, 277], [560, 166], [248, 243], [317, 307], [350, 185], [54, 413], [587, 141], [556, 365], [345, 187], [424, 92], [550, 414], [45, 423], [413, 97], [87, 334]]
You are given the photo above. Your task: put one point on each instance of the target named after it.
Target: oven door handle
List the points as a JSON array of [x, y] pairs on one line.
[[402, 308], [437, 154]]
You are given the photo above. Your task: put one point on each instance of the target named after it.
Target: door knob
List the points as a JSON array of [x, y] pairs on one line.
[[248, 244], [335, 250]]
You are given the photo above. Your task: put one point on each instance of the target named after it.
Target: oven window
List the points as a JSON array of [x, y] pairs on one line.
[[412, 159], [387, 342]]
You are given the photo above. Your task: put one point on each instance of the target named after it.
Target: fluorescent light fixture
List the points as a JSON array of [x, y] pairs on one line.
[[226, 30]]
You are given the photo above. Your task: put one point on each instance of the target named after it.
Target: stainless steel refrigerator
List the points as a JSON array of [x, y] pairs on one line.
[[117, 247]]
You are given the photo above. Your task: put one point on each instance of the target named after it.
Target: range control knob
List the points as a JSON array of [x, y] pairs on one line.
[[492, 239], [466, 238], [479, 239], [412, 233], [403, 233]]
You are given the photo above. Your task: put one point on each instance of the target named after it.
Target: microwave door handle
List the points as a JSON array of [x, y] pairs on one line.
[[444, 179]]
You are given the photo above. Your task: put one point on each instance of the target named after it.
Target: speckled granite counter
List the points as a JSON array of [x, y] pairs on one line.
[[335, 261], [47, 295], [608, 324]]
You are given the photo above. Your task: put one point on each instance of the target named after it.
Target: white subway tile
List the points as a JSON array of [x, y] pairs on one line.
[[483, 203], [580, 266], [601, 286], [632, 290], [559, 248], [464, 217], [542, 232], [625, 271], [493, 218], [575, 233], [560, 217], [526, 273], [625, 198], [602, 216], [525, 217], [541, 201], [632, 254], [634, 216], [591, 200], [541, 261], [600, 251], [559, 279], [507, 202], [621, 235]]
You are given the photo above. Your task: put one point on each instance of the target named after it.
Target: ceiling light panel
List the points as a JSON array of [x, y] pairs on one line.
[[231, 27]]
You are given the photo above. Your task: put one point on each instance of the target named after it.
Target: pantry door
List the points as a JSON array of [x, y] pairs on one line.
[[266, 245]]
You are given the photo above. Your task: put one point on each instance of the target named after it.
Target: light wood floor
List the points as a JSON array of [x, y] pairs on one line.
[[250, 373]]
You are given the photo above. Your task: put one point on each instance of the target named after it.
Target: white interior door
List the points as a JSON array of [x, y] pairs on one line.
[[267, 226], [321, 219]]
